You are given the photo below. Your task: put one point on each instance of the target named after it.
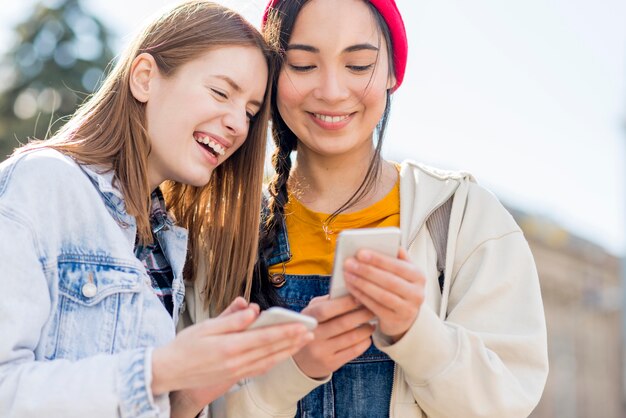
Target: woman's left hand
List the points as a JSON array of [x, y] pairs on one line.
[[392, 288]]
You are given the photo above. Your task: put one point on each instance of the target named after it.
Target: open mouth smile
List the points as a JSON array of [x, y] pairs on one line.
[[209, 144]]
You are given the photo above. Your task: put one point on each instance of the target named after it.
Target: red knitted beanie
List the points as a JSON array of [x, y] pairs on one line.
[[390, 13]]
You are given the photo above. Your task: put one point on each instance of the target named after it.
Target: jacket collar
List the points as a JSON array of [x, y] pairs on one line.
[[103, 178], [422, 190]]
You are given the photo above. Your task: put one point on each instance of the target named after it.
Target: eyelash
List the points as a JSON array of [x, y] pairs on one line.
[[360, 68], [355, 68], [223, 95], [220, 93], [302, 69]]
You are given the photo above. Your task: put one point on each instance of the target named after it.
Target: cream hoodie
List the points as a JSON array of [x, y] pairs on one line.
[[477, 349]]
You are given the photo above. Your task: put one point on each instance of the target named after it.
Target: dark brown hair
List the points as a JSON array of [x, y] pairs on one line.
[[277, 32]]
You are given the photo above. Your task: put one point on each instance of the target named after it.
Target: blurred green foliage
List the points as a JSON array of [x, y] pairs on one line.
[[58, 59]]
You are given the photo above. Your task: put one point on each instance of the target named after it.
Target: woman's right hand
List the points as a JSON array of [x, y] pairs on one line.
[[220, 351], [342, 334]]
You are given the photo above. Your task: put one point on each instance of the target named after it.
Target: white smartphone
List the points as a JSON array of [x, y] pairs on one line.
[[277, 315], [350, 241]]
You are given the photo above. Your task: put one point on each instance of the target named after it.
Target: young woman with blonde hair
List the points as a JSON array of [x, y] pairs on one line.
[[91, 261]]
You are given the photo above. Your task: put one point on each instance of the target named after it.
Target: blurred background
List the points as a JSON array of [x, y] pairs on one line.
[[528, 96]]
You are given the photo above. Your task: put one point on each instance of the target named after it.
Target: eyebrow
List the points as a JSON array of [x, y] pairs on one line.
[[302, 47], [236, 87], [352, 48], [230, 81], [360, 47]]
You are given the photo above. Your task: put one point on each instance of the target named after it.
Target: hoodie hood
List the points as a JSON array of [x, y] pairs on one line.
[[423, 189]]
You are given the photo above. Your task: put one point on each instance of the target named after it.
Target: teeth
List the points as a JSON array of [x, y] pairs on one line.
[[212, 144], [216, 147], [331, 119]]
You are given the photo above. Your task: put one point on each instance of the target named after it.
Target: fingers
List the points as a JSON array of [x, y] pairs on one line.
[[373, 280], [353, 351], [237, 304], [323, 356], [343, 323], [269, 336], [385, 274], [264, 356], [323, 308], [227, 323], [353, 338], [387, 289], [403, 254], [223, 348], [255, 307], [384, 304], [262, 363], [224, 353], [399, 267], [396, 302], [384, 294], [318, 299]]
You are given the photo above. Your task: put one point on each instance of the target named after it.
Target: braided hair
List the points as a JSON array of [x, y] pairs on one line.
[[285, 141]]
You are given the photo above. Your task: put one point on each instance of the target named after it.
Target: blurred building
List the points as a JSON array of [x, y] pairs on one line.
[[581, 287]]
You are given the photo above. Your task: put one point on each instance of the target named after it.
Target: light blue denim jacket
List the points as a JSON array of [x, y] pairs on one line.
[[78, 316]]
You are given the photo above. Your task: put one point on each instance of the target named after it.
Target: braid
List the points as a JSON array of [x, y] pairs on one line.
[[278, 194], [263, 292]]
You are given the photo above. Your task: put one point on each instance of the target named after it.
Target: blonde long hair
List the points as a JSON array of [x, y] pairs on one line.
[[110, 129]]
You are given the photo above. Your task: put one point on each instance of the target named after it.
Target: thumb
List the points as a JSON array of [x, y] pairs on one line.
[[237, 304], [403, 255]]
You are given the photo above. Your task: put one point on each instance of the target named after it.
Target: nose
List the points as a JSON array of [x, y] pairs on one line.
[[236, 122], [331, 88]]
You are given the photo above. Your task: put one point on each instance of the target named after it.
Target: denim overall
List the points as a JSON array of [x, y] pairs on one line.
[[359, 389]]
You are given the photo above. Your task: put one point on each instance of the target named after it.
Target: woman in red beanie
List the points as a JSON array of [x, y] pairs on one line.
[[460, 328]]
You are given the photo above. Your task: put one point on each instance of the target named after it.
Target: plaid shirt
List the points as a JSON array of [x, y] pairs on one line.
[[152, 256]]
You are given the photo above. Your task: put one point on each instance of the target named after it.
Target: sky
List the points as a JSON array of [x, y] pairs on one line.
[[529, 96]]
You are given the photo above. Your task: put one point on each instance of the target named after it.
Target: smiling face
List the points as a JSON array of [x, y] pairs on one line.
[[200, 115], [332, 88]]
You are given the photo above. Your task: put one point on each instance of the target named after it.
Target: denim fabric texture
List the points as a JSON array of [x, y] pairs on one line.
[[79, 318], [359, 389]]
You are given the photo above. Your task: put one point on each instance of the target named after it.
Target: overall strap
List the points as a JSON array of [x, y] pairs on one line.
[[438, 223]]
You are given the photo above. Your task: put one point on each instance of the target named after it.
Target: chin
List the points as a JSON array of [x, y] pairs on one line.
[[202, 183], [198, 181]]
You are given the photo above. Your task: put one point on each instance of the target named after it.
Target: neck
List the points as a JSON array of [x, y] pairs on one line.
[[153, 179], [324, 183]]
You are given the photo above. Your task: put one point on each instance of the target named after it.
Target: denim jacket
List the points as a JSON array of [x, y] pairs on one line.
[[78, 316]]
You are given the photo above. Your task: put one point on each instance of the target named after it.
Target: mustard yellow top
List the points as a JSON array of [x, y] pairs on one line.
[[312, 249]]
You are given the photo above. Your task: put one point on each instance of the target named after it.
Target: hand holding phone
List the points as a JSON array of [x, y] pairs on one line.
[[277, 315], [350, 241]]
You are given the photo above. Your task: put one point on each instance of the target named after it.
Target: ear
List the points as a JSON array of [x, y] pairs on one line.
[[142, 71]]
